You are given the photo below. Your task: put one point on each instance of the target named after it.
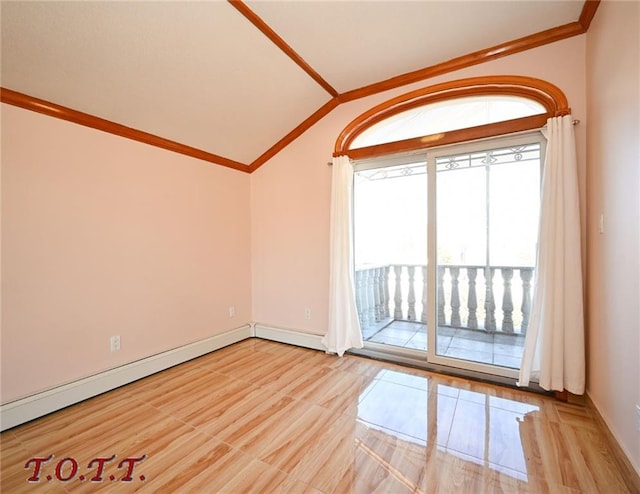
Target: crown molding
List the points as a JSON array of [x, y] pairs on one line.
[[588, 11], [294, 134], [27, 102], [252, 17], [486, 55]]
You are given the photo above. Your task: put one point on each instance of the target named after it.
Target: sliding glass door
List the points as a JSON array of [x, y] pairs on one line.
[[473, 209]]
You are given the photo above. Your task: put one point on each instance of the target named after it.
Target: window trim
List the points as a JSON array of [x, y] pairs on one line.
[[548, 95]]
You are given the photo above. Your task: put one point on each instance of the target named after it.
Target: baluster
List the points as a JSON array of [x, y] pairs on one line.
[[423, 319], [455, 297], [397, 298], [359, 298], [381, 291], [441, 318], [507, 301], [377, 303], [371, 303], [472, 300], [489, 302], [411, 298], [525, 275], [385, 291], [364, 298]]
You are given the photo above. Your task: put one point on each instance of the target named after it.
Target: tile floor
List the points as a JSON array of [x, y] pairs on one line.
[[490, 348]]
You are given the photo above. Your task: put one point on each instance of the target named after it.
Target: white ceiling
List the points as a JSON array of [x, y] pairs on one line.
[[201, 74]]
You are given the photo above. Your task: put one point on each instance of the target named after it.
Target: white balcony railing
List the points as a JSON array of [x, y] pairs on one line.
[[467, 296]]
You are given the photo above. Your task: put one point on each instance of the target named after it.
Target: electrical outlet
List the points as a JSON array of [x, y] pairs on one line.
[[232, 311], [115, 343], [307, 313]]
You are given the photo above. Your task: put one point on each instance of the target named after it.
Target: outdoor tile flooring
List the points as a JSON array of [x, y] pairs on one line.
[[489, 348]]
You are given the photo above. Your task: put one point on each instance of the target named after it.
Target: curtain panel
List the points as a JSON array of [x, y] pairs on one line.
[[554, 351], [344, 330]]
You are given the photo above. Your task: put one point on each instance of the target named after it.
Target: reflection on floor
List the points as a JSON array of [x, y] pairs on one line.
[[469, 425], [498, 349], [260, 416]]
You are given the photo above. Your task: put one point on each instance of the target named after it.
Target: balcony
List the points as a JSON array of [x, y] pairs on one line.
[[392, 307]]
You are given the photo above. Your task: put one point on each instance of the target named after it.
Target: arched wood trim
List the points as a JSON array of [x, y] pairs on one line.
[[548, 95]]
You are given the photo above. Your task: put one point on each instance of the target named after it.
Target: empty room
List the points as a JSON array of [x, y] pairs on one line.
[[320, 246]]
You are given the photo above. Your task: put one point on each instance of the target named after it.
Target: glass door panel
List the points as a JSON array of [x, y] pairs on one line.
[[486, 213], [390, 248]]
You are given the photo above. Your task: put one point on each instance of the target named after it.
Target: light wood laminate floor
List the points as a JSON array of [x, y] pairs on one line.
[[260, 416]]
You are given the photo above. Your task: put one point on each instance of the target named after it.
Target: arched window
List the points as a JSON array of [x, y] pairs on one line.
[[456, 111], [447, 115]]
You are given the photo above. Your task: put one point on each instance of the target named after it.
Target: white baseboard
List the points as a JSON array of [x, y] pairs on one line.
[[20, 411], [291, 337]]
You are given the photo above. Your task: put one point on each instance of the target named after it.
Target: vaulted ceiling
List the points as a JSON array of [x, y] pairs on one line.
[[236, 81]]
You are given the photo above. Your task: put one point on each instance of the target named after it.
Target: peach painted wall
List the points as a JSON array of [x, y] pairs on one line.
[[613, 188], [105, 236], [290, 194]]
